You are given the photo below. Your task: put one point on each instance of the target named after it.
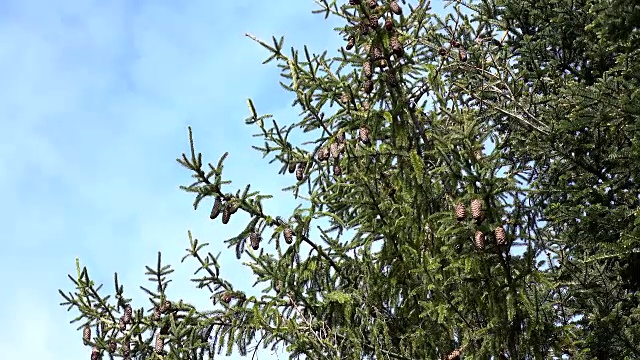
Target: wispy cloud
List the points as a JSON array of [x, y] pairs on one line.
[[94, 104]]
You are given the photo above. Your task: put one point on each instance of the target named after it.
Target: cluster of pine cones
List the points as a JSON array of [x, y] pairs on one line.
[[125, 320], [255, 239], [369, 23], [462, 52], [336, 148], [477, 214], [227, 208]]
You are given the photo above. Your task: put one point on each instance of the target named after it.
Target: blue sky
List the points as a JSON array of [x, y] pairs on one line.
[[95, 101]]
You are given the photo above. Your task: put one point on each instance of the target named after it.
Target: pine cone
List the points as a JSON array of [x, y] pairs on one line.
[[292, 167], [462, 55], [354, 2], [501, 236], [159, 344], [226, 215], [442, 51], [334, 150], [351, 42], [157, 314], [455, 44], [363, 135], [364, 27], [128, 314], [125, 349], [288, 235], [367, 70], [478, 240], [278, 287], [396, 47], [461, 212], [391, 79], [388, 24], [340, 138], [254, 239], [344, 99], [226, 297], [337, 170], [377, 53], [233, 206], [476, 209], [165, 307], [300, 171], [86, 334], [373, 21], [215, 210], [323, 154], [395, 8], [122, 324], [372, 4], [454, 355], [95, 353], [112, 347], [368, 86]]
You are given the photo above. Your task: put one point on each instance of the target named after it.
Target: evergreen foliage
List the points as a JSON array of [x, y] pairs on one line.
[[467, 187]]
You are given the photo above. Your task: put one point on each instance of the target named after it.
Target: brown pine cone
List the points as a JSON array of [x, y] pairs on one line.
[[377, 53], [368, 86], [254, 239], [300, 171], [478, 240], [165, 307], [462, 55], [373, 21], [112, 346], [86, 334], [367, 70], [323, 154], [215, 210], [125, 349], [337, 170], [476, 209], [454, 355], [334, 150], [501, 236], [95, 353], [226, 297], [159, 344], [396, 47], [128, 314], [363, 135], [351, 42], [388, 24], [288, 235], [461, 212], [395, 8], [226, 215]]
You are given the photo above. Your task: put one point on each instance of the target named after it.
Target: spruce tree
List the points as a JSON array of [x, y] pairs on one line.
[[448, 205], [577, 68]]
